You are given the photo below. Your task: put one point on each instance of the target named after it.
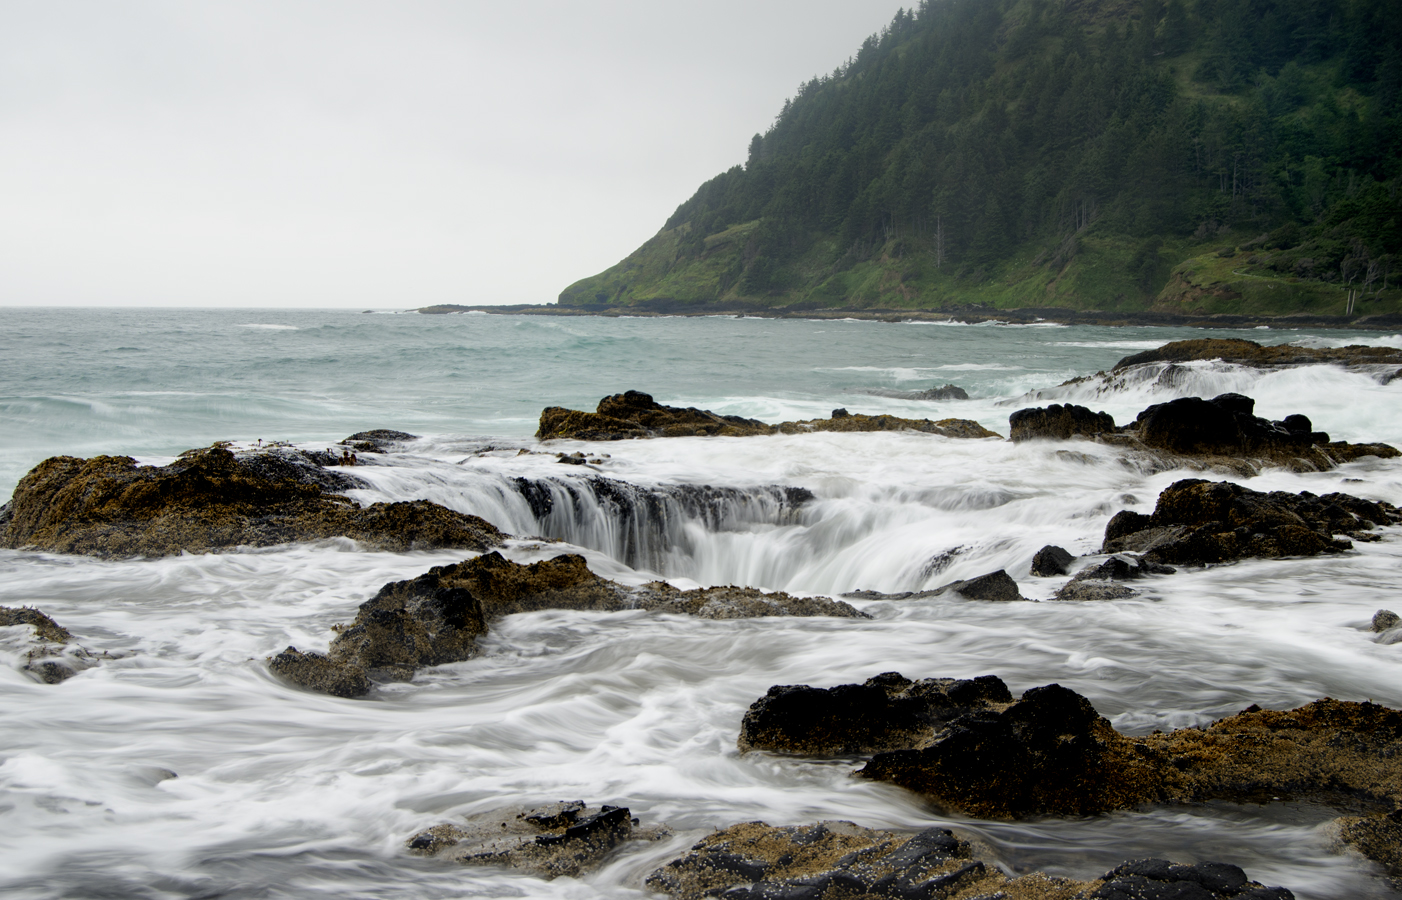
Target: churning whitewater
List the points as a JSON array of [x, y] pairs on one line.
[[176, 765]]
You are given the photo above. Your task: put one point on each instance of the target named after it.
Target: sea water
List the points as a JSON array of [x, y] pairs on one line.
[[277, 792]]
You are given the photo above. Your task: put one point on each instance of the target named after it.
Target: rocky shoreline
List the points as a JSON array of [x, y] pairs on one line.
[[971, 315]]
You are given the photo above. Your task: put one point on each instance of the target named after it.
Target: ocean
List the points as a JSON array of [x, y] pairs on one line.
[[282, 793]]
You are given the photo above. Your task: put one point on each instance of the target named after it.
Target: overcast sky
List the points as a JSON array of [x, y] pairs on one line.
[[374, 154]]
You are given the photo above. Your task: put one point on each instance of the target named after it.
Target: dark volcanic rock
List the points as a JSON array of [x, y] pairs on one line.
[[883, 713], [1058, 422], [1250, 353], [1197, 522], [212, 500], [996, 586], [1051, 560], [1050, 752], [634, 414], [560, 839], [832, 860], [436, 618], [378, 440], [944, 392]]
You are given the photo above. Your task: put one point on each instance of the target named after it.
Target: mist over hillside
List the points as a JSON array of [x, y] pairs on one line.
[[1184, 156]]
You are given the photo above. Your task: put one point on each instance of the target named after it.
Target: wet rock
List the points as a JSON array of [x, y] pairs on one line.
[[1250, 353], [1123, 567], [436, 618], [886, 712], [1084, 590], [840, 413], [831, 860], [944, 392], [1051, 560], [1049, 752], [1058, 422], [212, 500], [634, 414], [1384, 620], [559, 839], [995, 586], [1377, 838], [45, 649], [377, 440], [1198, 522], [317, 672]]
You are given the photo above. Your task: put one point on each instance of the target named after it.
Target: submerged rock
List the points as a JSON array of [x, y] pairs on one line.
[[560, 839], [1102, 582], [47, 651], [437, 617], [634, 414], [943, 392], [886, 712], [211, 500], [377, 440], [1197, 522], [1385, 620], [833, 859], [1377, 838]]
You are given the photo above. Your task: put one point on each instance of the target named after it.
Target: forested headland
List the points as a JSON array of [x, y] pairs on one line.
[[1195, 156]]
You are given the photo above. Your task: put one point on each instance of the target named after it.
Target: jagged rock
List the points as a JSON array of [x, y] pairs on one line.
[[560, 839], [1384, 620], [833, 859], [886, 712], [1217, 433], [1082, 590], [1058, 422], [1051, 560], [1197, 522], [47, 651], [1051, 753], [212, 499], [1250, 353], [634, 414], [318, 672], [436, 618]]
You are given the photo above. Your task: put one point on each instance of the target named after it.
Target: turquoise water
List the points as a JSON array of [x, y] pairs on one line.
[[282, 793]]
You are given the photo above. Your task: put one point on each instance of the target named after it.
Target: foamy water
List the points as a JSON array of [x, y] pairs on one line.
[[283, 793]]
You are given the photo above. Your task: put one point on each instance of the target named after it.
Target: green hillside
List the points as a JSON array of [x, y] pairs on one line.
[[1184, 156]]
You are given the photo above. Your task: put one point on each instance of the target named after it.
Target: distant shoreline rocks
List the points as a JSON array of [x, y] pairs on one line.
[[633, 414]]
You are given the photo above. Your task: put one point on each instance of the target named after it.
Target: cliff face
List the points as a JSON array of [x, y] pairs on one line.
[[1192, 156]]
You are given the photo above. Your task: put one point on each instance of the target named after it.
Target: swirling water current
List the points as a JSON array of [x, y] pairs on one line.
[[283, 793]]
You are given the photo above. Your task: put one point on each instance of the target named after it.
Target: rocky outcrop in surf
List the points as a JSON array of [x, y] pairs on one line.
[[834, 859], [1197, 522], [944, 392], [1051, 753], [552, 841], [214, 499], [1249, 353], [436, 618], [995, 587], [1222, 432], [634, 414], [45, 648]]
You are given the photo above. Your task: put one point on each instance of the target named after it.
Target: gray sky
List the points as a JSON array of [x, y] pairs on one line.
[[374, 154]]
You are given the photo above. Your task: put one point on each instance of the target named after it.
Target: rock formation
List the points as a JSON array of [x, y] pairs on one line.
[[1191, 432], [213, 499], [47, 650], [634, 414], [1198, 522], [436, 618], [1051, 560], [1250, 353], [560, 839], [830, 860], [943, 392], [997, 587]]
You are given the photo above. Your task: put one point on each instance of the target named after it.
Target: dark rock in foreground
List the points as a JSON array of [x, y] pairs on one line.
[[884, 713], [1222, 433], [634, 414], [560, 839], [437, 617], [1198, 522], [1051, 560], [214, 500], [830, 860]]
